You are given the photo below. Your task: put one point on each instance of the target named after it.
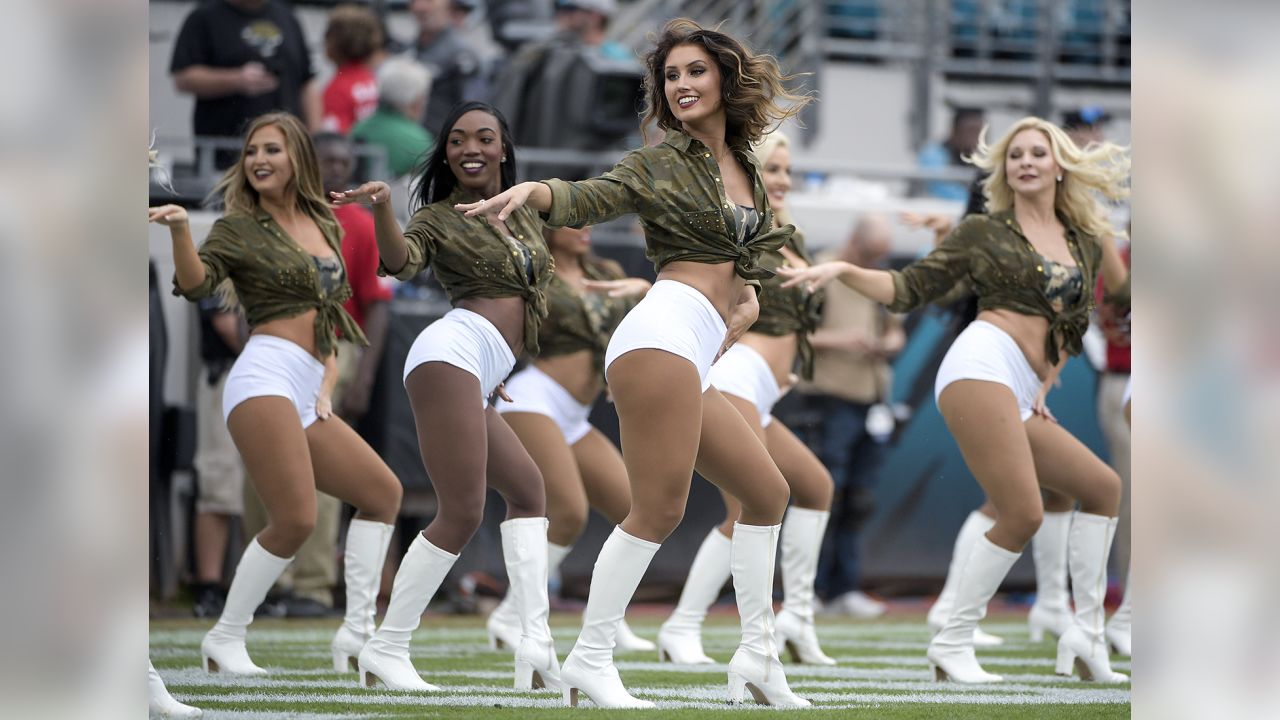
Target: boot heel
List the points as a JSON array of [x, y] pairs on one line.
[[570, 695], [343, 662], [939, 675], [495, 642], [737, 684], [367, 679], [1037, 633], [1066, 658], [524, 675], [209, 665]]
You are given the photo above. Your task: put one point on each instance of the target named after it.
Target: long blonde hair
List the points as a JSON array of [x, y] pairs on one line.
[[1098, 168], [239, 196], [764, 150]]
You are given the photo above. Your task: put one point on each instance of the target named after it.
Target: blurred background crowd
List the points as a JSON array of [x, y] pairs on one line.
[[905, 89]]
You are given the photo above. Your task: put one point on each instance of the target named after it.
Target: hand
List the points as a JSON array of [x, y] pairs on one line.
[[324, 406], [504, 203], [1039, 407], [741, 318], [168, 215], [374, 193], [937, 222], [626, 287], [501, 391], [814, 276], [792, 380], [255, 79]]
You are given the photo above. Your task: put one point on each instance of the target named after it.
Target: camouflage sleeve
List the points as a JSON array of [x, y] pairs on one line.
[[599, 199], [219, 253], [419, 239], [939, 273]]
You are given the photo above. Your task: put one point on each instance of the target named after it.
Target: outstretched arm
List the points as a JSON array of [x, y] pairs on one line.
[[534, 194], [874, 284], [187, 264], [392, 247]]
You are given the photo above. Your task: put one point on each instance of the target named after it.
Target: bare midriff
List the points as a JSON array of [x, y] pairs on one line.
[[298, 329], [506, 314], [779, 351], [576, 373], [1028, 331], [717, 282]]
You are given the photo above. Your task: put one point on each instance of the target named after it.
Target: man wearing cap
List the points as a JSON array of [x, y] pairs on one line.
[[457, 73]]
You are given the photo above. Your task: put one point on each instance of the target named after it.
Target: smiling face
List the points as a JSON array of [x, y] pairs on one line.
[[1029, 165], [266, 161], [570, 241], [692, 86], [474, 151], [777, 176]]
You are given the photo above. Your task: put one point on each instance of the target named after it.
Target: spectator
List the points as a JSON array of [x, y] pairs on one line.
[[241, 59], [459, 11], [456, 71], [966, 126], [351, 41], [1086, 125], [220, 472], [403, 88], [357, 367], [853, 345], [543, 88]]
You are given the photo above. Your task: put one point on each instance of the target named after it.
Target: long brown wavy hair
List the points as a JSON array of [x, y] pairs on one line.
[[239, 196], [753, 89]]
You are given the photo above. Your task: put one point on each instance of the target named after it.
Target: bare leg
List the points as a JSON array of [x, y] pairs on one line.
[[604, 475], [733, 458], [566, 500], [348, 469]]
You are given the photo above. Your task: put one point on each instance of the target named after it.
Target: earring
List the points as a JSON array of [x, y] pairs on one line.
[[1059, 178], [504, 159]]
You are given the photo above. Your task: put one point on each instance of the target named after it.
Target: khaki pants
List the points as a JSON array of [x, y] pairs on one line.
[[314, 571], [1116, 431]]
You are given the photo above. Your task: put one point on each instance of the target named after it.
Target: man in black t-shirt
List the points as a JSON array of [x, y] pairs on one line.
[[243, 58]]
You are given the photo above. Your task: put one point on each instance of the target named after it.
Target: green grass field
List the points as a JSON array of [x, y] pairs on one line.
[[882, 674]]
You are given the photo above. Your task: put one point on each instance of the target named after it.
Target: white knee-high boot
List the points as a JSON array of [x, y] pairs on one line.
[[680, 637], [1083, 645], [1120, 626], [503, 624], [222, 649], [979, 576], [524, 548], [589, 668], [1050, 613], [802, 531], [386, 656], [974, 527], [366, 550], [755, 666], [162, 704]]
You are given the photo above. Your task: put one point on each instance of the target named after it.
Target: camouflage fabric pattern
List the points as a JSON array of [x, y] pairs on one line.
[[784, 311], [675, 188], [582, 320], [472, 259], [273, 276], [995, 259]]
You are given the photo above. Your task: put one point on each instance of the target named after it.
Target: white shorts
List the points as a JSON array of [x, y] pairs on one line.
[[676, 318], [533, 391], [465, 340], [985, 352], [269, 366], [743, 372]]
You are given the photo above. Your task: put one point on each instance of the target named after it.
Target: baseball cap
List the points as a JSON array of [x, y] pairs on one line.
[[1085, 116], [604, 7]]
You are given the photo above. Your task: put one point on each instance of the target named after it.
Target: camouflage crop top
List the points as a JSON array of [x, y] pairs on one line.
[[675, 188], [1004, 270], [581, 320], [472, 258], [784, 311], [274, 277]]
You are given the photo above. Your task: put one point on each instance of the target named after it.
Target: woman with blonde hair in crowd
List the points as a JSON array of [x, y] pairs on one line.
[[701, 200], [1032, 262], [277, 252], [551, 406], [753, 375]]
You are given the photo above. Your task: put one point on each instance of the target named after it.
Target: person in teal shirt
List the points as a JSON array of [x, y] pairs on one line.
[[403, 87]]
